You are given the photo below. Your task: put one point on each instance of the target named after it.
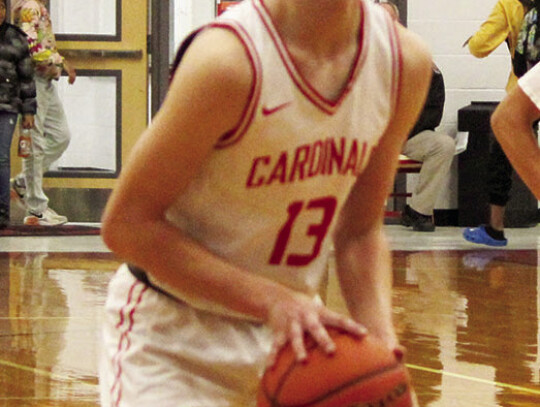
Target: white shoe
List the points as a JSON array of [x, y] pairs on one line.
[[47, 218], [52, 213]]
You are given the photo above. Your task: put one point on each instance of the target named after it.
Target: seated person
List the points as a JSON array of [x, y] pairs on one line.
[[435, 150]]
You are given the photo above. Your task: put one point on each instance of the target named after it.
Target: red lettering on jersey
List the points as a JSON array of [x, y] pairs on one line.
[[280, 170], [362, 158], [316, 159], [251, 183], [352, 161], [336, 156], [323, 157], [300, 160]]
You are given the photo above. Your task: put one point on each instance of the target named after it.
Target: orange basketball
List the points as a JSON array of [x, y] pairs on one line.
[[362, 372]]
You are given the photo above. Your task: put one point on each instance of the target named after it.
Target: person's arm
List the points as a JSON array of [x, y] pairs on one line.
[[512, 123], [491, 33], [42, 44], [362, 254], [206, 99], [70, 70]]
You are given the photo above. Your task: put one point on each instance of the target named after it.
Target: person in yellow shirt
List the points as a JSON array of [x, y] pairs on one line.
[[503, 24]]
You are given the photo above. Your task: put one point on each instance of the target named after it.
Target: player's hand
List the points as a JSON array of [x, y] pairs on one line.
[[289, 320]]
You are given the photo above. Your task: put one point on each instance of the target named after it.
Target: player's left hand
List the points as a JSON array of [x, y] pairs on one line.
[[292, 318]]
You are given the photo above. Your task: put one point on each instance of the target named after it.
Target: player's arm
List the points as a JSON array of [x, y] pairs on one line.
[[362, 254], [206, 99], [512, 123]]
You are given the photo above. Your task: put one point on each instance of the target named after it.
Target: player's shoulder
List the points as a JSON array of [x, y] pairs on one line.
[[415, 53], [222, 53]]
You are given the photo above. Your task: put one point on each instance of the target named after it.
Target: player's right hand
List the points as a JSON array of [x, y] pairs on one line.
[[291, 318]]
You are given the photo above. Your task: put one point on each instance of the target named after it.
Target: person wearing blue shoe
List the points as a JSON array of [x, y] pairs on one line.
[[481, 236], [502, 25]]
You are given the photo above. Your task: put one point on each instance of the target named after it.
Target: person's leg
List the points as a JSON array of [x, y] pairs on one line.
[[56, 129], [32, 170], [7, 126], [436, 151], [52, 138], [499, 184]]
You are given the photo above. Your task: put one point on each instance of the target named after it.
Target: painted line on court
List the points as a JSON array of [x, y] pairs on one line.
[[475, 379], [45, 318], [40, 372]]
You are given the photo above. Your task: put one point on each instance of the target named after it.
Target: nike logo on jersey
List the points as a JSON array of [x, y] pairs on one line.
[[267, 111]]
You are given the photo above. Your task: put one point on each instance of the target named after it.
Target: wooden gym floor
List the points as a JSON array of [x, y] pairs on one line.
[[468, 315]]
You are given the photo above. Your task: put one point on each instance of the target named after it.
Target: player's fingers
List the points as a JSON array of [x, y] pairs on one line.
[[347, 324], [297, 341], [323, 339], [400, 352]]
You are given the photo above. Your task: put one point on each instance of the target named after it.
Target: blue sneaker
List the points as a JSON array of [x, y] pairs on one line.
[[480, 236]]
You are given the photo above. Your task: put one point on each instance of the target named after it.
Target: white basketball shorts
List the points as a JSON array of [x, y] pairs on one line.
[[160, 352]]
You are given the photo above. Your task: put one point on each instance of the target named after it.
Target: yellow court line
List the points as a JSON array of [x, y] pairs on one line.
[[44, 318], [40, 372], [475, 379]]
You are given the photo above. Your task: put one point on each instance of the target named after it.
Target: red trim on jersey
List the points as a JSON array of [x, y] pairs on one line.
[[124, 338], [248, 114], [328, 106], [397, 64]]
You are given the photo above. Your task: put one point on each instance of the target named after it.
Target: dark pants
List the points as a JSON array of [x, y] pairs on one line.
[[7, 126], [499, 176]]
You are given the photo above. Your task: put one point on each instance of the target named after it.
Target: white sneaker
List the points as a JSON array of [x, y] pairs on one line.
[[52, 213], [47, 218]]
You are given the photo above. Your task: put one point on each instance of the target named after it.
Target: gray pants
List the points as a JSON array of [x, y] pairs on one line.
[[436, 151], [50, 138]]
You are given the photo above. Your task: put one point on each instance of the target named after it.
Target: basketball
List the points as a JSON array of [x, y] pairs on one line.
[[361, 373]]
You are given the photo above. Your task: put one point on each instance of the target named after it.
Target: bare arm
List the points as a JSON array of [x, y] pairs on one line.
[[167, 157], [363, 258], [512, 123]]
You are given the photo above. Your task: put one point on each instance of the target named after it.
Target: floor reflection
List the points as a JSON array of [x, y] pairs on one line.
[[51, 308], [469, 320]]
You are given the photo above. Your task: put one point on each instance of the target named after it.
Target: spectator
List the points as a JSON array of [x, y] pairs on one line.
[[227, 206], [17, 96], [434, 149], [503, 24], [50, 136]]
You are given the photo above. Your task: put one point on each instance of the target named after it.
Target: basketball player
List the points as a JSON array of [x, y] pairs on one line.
[[280, 133], [512, 123]]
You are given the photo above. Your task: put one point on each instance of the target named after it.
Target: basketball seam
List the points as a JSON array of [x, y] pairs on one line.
[[332, 392]]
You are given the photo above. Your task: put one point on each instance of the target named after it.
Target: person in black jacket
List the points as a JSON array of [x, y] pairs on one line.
[[435, 149], [17, 96]]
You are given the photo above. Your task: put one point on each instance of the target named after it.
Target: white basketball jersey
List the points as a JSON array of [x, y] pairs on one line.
[[268, 197]]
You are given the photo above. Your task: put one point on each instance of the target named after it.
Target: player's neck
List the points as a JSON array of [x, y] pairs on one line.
[[323, 26]]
